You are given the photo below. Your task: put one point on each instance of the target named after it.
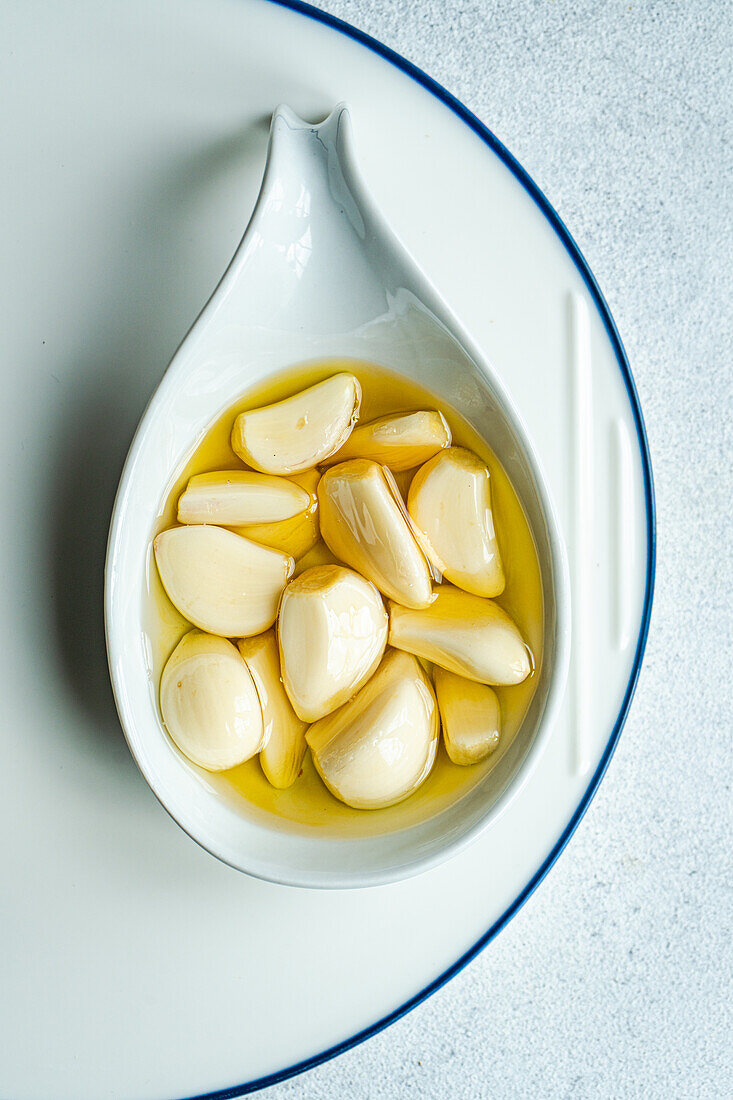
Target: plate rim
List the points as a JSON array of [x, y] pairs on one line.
[[441, 93]]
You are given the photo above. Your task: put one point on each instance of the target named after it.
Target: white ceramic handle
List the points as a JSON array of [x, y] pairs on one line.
[[308, 163], [313, 201]]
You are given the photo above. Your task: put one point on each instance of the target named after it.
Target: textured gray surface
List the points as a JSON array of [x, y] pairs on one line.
[[612, 980]]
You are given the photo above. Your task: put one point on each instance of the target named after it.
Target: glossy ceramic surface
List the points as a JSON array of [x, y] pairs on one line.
[[130, 197], [318, 274]]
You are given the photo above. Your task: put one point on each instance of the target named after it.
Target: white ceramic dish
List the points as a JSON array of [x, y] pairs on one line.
[[318, 274], [141, 968]]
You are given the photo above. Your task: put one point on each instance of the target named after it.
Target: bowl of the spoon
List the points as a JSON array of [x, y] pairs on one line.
[[318, 275]]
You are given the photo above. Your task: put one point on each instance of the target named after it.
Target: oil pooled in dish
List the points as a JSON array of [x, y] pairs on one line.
[[369, 571]]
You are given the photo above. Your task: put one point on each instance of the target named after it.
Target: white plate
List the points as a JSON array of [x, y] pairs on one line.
[[135, 965]]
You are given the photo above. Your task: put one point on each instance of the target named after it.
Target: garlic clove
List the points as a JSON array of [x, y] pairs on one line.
[[301, 431], [450, 503], [400, 441], [284, 733], [365, 526], [379, 747], [469, 715], [297, 535], [237, 497], [209, 703], [332, 633], [219, 581], [466, 634]]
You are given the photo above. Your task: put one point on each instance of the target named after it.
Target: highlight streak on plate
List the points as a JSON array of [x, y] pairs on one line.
[[623, 512], [583, 529]]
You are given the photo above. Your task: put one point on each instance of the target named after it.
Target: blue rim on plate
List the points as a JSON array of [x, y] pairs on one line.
[[563, 233]]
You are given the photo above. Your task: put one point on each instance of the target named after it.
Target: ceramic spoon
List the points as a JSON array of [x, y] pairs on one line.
[[318, 273]]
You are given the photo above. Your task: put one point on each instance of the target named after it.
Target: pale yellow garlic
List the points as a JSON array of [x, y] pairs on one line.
[[232, 498], [379, 747], [332, 632], [221, 582], [364, 524], [450, 502], [469, 716], [400, 440], [301, 431], [284, 733], [466, 634], [209, 703], [297, 535]]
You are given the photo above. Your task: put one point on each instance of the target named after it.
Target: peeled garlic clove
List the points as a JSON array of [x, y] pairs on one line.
[[332, 632], [219, 581], [378, 748], [469, 715], [400, 441], [297, 535], [302, 430], [284, 733], [237, 497], [466, 634], [364, 526], [450, 502], [209, 703]]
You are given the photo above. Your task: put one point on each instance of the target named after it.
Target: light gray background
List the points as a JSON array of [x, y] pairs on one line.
[[612, 981]]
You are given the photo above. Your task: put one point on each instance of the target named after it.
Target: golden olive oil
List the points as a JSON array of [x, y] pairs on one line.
[[307, 804]]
